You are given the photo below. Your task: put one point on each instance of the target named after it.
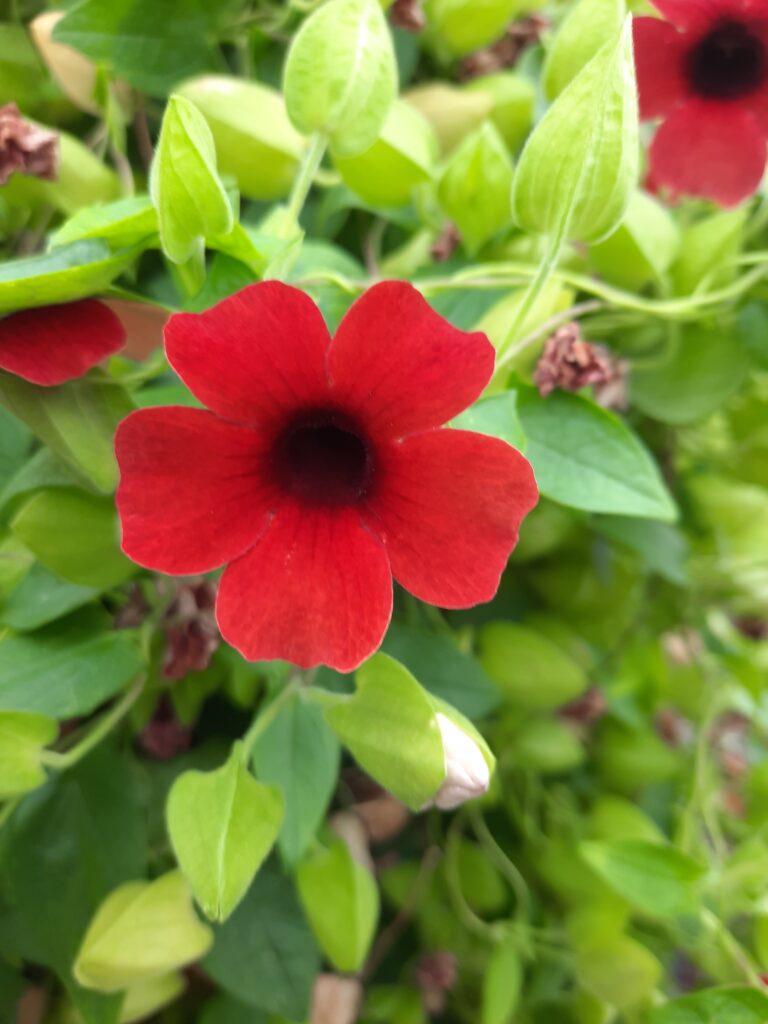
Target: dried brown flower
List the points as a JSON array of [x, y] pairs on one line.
[[408, 15], [436, 974], [26, 148], [505, 52], [446, 244], [570, 363], [191, 632]]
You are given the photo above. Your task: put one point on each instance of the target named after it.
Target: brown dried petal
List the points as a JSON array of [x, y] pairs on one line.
[[408, 15], [570, 363], [26, 148]]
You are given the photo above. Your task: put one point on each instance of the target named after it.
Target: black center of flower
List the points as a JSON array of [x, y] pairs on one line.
[[727, 63], [324, 459]]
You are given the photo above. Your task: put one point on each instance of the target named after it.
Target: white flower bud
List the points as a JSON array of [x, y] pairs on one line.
[[466, 771]]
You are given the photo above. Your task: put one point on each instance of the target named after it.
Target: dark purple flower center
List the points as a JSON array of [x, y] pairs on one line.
[[729, 62], [324, 459]]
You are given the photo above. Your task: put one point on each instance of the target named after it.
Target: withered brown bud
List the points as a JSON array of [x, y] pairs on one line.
[[26, 148], [446, 244], [164, 737], [586, 709], [505, 52], [675, 730], [436, 974], [191, 632], [570, 363], [408, 15]]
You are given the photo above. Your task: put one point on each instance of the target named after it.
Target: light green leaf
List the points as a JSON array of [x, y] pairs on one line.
[[70, 272], [707, 252], [123, 223], [715, 1006], [222, 825], [579, 167], [74, 534], [341, 901], [513, 99], [496, 416], [588, 26], [402, 157], [76, 420], [502, 983], [642, 248], [389, 727], [186, 190], [145, 998], [586, 457], [622, 972], [340, 74], [142, 930], [67, 669], [474, 187], [299, 753], [658, 880], [529, 669], [255, 141], [461, 26], [701, 369], [22, 737]]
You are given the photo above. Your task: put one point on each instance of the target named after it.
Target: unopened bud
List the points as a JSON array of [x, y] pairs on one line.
[[466, 772]]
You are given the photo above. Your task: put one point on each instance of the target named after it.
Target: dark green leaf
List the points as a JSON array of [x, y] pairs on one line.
[[42, 597], [715, 1006]]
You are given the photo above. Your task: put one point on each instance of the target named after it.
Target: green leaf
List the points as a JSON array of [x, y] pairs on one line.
[[461, 26], [641, 249], [579, 168], [187, 193], [715, 1006], [63, 850], [496, 416], [150, 43], [142, 930], [402, 157], [66, 669], [226, 1010], [341, 901], [41, 598], [621, 971], [586, 457], [222, 825], [300, 754], [707, 251], [265, 954], [474, 187], [70, 272], [75, 535], [588, 26], [123, 223], [659, 880], [22, 737], [513, 99], [502, 983], [548, 746], [530, 670], [76, 421], [389, 727], [145, 998], [255, 142], [701, 369], [340, 74], [663, 548], [443, 668], [15, 443]]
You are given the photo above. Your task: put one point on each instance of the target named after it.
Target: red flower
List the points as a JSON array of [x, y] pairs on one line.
[[54, 344], [319, 472], [705, 71]]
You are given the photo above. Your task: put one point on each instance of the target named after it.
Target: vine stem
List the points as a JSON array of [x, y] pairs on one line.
[[61, 761], [539, 282], [265, 718], [308, 168]]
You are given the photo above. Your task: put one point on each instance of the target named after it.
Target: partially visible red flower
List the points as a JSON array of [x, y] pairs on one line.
[[705, 72], [53, 344], [319, 472]]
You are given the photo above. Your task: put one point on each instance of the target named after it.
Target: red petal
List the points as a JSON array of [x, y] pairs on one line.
[[316, 590], [191, 496], [449, 509], [714, 150], [53, 344], [254, 356], [659, 56], [693, 14], [401, 366]]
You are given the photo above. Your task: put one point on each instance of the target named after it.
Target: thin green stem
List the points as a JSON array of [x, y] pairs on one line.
[[61, 761], [497, 856], [265, 718], [539, 282], [733, 949], [306, 175], [543, 330]]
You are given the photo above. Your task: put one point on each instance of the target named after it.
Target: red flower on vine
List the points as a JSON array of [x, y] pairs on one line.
[[319, 470], [53, 344], [705, 72]]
